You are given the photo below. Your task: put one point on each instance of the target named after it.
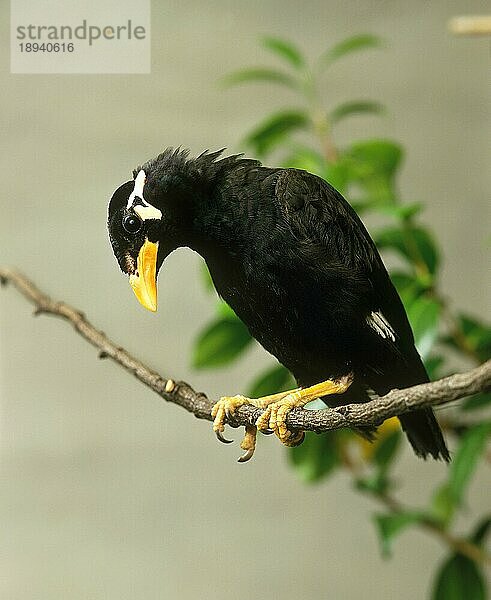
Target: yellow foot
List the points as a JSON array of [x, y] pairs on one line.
[[225, 408], [273, 419], [248, 443], [275, 415]]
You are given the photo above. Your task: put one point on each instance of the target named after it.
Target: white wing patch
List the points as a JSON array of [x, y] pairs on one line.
[[379, 323], [147, 211]]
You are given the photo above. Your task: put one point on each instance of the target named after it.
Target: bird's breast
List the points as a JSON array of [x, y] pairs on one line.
[[285, 312]]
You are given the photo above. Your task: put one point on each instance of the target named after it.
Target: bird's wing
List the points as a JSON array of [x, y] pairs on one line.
[[319, 216], [332, 236]]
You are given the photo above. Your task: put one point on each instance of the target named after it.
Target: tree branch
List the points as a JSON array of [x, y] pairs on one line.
[[181, 393]]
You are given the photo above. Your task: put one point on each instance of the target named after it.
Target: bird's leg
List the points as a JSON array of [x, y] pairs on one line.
[[274, 417], [226, 407], [277, 407]]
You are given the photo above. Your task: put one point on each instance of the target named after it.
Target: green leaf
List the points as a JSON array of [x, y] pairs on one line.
[[316, 458], [424, 316], [376, 484], [477, 335], [225, 311], [477, 402], [350, 45], [285, 50], [408, 286], [390, 526], [337, 174], [404, 212], [375, 156], [258, 74], [220, 343], [372, 165], [275, 379], [464, 462], [480, 533], [459, 578], [420, 242], [356, 107], [415, 244], [274, 129], [206, 277], [443, 505], [386, 450], [433, 365], [306, 159]]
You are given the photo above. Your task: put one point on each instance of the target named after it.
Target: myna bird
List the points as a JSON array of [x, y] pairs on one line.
[[291, 257]]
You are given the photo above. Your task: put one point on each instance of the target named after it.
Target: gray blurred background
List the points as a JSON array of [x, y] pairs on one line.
[[108, 493]]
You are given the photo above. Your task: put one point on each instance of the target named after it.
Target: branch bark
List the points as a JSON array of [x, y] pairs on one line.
[[181, 393]]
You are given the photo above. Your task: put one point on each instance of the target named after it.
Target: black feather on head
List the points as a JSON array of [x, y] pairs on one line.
[[204, 169]]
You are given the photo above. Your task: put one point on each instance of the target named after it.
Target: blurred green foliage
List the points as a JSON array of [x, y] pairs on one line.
[[366, 173]]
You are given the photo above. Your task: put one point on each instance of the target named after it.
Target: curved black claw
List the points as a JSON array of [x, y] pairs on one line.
[[266, 431], [220, 438], [297, 439], [247, 456]]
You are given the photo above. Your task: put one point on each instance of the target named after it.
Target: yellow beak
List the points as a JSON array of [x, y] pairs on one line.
[[144, 282]]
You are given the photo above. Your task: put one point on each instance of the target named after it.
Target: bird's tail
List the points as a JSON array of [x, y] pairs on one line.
[[425, 434]]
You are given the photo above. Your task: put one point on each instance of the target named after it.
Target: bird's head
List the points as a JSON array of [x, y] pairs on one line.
[[147, 219], [165, 206]]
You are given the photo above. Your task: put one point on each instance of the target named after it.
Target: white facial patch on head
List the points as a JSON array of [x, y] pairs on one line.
[[136, 200], [147, 212], [379, 323]]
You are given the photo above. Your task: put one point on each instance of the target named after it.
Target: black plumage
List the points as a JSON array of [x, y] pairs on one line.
[[288, 253]]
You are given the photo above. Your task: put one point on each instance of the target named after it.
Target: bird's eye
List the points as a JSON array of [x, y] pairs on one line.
[[132, 223]]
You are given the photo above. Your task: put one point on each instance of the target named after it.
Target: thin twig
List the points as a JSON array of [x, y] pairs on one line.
[[460, 545], [374, 412], [471, 25], [456, 332]]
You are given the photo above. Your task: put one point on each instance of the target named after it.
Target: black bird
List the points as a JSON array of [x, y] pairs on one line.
[[291, 257]]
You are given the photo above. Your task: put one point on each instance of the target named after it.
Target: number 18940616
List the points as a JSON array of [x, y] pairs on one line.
[[46, 47]]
